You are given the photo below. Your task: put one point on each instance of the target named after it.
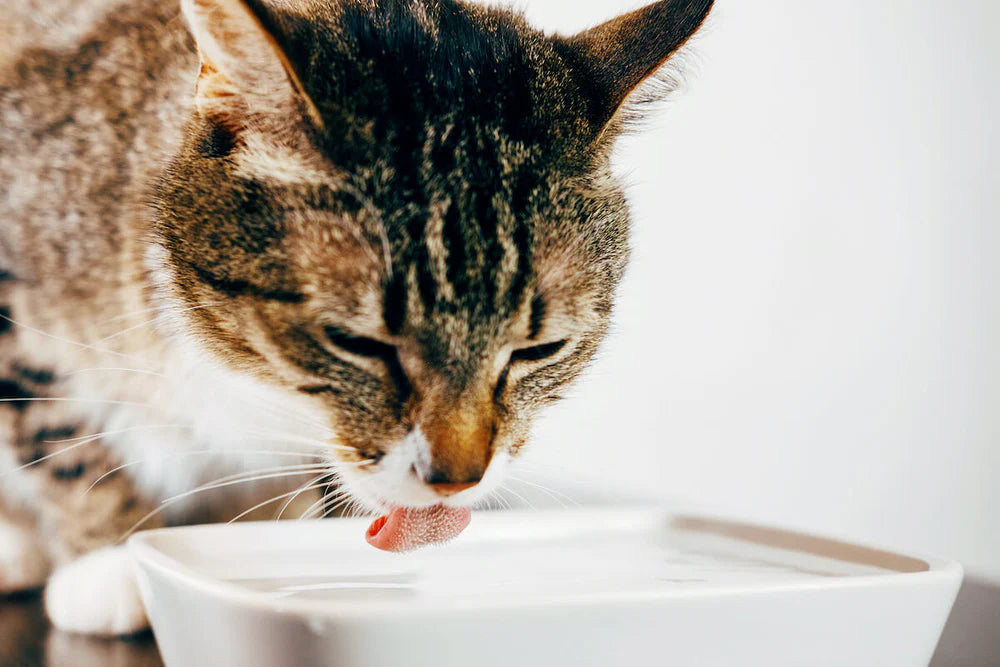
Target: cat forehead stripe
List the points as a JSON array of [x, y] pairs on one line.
[[437, 253]]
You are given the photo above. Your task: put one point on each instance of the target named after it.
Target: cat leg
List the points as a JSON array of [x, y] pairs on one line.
[[96, 594], [83, 517], [24, 565], [49, 466]]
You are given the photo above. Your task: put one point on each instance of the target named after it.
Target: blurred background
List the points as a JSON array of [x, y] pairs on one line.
[[810, 331]]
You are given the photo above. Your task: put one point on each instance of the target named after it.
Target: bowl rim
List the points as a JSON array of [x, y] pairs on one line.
[[909, 569]]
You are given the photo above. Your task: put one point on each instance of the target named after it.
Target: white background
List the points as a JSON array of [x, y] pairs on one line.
[[810, 331]]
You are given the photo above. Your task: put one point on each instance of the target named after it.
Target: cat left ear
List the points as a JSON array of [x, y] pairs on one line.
[[243, 68], [611, 60]]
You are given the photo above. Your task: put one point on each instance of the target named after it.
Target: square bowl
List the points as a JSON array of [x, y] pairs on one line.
[[602, 587]]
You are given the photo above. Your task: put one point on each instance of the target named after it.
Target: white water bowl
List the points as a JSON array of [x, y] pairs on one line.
[[607, 587]]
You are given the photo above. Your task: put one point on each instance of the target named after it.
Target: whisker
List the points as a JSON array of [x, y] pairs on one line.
[[117, 432], [588, 487], [121, 369], [108, 474], [70, 342], [258, 475], [271, 500], [127, 330], [285, 411], [96, 401], [301, 490], [339, 499], [247, 477], [85, 441], [312, 509], [359, 510], [150, 321], [505, 503], [201, 452], [494, 503], [521, 498], [165, 306], [175, 499], [47, 457], [321, 444], [552, 493]]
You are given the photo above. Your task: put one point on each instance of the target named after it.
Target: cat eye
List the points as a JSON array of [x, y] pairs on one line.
[[370, 348], [538, 352], [358, 345]]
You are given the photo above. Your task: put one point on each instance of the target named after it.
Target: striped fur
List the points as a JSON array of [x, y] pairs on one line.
[[389, 226]]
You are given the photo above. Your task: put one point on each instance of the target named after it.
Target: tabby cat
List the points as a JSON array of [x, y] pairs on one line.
[[247, 241]]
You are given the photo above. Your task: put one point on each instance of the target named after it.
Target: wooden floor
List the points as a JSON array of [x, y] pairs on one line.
[[971, 638]]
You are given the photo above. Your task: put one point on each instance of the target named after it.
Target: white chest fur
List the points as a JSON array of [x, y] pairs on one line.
[[195, 422]]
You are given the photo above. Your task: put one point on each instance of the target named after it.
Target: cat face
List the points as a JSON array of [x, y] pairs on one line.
[[402, 213]]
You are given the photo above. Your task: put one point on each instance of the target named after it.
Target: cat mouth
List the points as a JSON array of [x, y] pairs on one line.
[[407, 528]]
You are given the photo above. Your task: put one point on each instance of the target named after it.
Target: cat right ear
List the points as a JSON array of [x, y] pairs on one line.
[[243, 68], [613, 59]]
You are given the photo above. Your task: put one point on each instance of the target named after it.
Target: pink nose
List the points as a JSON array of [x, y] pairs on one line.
[[445, 490]]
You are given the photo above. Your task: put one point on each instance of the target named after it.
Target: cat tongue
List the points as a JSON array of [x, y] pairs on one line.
[[406, 529]]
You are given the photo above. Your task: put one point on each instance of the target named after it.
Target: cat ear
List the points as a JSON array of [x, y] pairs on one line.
[[243, 68], [614, 58]]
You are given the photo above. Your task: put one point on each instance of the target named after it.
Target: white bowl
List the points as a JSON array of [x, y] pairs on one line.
[[604, 587]]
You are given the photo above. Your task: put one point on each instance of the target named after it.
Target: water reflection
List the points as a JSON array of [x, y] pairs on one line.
[[27, 640], [22, 622]]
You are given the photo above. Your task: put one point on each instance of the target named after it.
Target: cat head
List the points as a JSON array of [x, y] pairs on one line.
[[402, 212]]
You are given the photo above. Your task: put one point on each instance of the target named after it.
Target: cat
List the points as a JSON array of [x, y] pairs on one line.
[[252, 241]]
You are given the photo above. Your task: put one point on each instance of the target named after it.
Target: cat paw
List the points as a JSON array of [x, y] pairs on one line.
[[96, 595], [23, 564]]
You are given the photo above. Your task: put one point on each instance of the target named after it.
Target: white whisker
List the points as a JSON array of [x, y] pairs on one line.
[[117, 432], [96, 401], [302, 489], [246, 477], [274, 499], [336, 500], [86, 440], [199, 452], [504, 502], [153, 320], [320, 444], [552, 493], [521, 498], [154, 309], [118, 369], [315, 507], [71, 342], [175, 499]]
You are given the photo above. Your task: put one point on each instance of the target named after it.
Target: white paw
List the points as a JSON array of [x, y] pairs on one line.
[[96, 595], [23, 564]]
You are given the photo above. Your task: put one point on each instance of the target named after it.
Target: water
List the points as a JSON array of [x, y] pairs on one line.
[[568, 566]]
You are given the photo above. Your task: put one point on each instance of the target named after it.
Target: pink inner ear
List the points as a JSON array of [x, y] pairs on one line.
[[406, 529]]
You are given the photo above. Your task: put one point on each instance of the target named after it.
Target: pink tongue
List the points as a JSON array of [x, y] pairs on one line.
[[406, 529]]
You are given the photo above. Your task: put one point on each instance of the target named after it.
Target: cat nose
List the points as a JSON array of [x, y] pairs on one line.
[[446, 489], [447, 483], [454, 448]]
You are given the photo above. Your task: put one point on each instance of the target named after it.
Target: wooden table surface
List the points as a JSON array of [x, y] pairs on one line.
[[971, 638]]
